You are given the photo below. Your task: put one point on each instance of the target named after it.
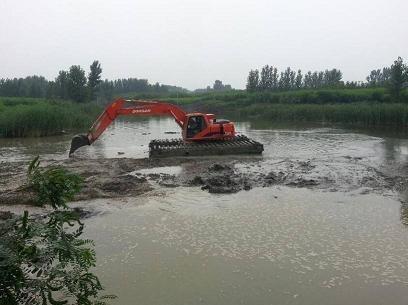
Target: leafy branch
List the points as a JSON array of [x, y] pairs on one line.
[[43, 260]]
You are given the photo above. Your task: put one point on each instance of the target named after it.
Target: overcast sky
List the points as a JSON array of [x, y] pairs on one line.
[[191, 43]]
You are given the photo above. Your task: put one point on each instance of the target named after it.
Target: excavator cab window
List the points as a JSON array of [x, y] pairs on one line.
[[195, 125]]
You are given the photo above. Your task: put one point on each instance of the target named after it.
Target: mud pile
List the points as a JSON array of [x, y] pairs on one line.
[[237, 175], [122, 177], [222, 179], [102, 179]]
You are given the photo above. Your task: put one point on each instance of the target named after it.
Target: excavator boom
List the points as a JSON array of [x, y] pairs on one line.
[[136, 107], [116, 108]]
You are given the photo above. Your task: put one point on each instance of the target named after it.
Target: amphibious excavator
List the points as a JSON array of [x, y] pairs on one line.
[[202, 133]]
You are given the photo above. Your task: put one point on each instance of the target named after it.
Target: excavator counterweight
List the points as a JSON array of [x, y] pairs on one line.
[[202, 134]]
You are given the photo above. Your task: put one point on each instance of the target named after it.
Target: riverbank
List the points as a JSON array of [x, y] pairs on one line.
[[367, 108], [32, 117]]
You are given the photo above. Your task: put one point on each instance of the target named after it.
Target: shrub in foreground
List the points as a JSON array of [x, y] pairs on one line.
[[43, 260]]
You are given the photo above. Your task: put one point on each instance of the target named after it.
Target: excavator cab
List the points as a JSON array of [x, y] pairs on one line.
[[195, 125]]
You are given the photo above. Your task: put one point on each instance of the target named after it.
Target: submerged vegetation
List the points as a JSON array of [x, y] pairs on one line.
[[22, 117]]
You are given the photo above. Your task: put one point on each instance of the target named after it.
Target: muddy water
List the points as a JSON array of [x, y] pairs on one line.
[[270, 246], [338, 240]]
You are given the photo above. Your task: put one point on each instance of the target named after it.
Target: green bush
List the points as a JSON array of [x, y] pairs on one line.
[[54, 186], [43, 260]]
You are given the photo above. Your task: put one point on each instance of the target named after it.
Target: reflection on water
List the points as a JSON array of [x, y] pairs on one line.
[[396, 150], [131, 136], [23, 149]]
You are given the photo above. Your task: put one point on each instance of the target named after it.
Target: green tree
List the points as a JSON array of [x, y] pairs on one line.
[[274, 78], [106, 90], [267, 80], [43, 260], [94, 78], [30, 86], [308, 83], [374, 79], [218, 85], [292, 76], [264, 82], [287, 78], [156, 87], [61, 84], [386, 74], [398, 76], [76, 84], [299, 79], [332, 78], [253, 81]]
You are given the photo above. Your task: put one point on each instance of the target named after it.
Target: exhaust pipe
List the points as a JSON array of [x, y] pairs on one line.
[[77, 142]]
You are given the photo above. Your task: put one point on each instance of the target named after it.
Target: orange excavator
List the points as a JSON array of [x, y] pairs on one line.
[[202, 134]]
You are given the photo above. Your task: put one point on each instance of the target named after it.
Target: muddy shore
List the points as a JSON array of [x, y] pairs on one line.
[[127, 177]]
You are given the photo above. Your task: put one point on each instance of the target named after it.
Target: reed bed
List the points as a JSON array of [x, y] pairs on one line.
[[36, 117], [359, 114]]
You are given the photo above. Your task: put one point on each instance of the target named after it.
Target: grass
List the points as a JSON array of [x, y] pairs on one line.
[[322, 96], [23, 117], [368, 107], [362, 114]]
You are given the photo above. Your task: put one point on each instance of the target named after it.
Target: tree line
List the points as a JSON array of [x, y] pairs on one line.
[[30, 86], [109, 88], [218, 86], [74, 84], [270, 79]]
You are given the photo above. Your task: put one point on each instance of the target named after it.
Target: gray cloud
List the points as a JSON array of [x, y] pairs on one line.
[[193, 42]]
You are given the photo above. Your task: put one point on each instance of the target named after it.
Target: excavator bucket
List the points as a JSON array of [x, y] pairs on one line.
[[77, 142]]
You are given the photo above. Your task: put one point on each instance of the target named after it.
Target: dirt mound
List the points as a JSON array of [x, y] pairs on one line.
[[219, 167], [112, 186], [105, 178], [111, 178], [5, 215], [17, 196], [221, 179]]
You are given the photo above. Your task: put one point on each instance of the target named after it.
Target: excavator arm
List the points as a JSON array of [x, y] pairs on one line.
[[118, 107]]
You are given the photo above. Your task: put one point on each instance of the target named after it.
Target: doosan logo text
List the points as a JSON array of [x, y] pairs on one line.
[[141, 110]]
